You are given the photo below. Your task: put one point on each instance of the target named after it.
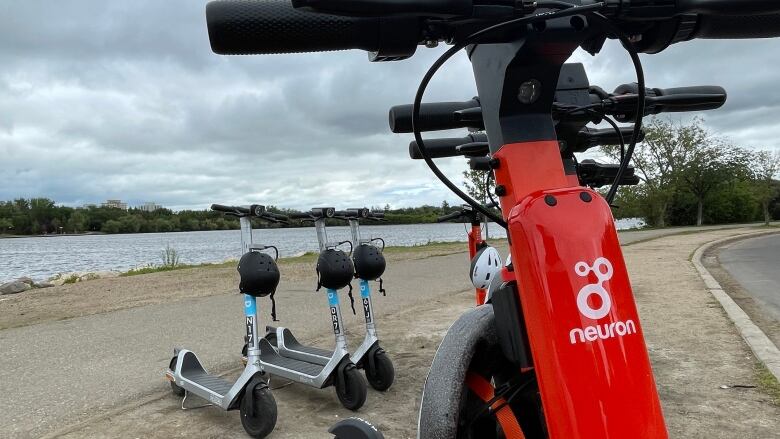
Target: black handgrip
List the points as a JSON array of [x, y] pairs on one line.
[[276, 216], [378, 215], [439, 8], [727, 7], [445, 147], [246, 27], [738, 27], [622, 104], [434, 116], [449, 216], [229, 209], [591, 137]]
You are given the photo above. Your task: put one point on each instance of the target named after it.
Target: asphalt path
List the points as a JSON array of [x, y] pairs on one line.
[[755, 265], [59, 373]]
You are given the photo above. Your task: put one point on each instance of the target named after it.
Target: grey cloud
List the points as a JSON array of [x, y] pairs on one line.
[[124, 99]]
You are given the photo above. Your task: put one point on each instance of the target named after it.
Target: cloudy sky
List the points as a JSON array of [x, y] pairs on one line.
[[116, 99]]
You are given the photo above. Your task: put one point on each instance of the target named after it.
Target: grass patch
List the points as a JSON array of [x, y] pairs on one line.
[[162, 268], [309, 257], [72, 279], [767, 383]]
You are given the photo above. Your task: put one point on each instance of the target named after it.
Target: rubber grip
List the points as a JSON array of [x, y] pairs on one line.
[[389, 7], [738, 27], [229, 209], [449, 216], [433, 116], [246, 27], [728, 7], [445, 147]]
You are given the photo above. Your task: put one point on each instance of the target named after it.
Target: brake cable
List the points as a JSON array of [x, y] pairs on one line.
[[567, 10], [640, 107]]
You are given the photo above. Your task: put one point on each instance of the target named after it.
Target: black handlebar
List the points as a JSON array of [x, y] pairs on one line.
[[622, 104], [392, 29], [449, 216], [255, 210], [445, 147], [739, 27], [247, 27], [434, 116], [242, 27], [428, 8]]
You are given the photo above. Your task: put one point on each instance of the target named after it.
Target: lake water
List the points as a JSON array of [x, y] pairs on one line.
[[43, 257]]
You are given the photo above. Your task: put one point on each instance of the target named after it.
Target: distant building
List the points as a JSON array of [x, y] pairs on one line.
[[115, 204], [149, 207]]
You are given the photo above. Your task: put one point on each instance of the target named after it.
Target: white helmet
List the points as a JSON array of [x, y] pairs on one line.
[[485, 266]]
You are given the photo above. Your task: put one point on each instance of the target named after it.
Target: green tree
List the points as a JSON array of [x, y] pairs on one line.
[[5, 225], [660, 159], [77, 222], [765, 166], [712, 164]]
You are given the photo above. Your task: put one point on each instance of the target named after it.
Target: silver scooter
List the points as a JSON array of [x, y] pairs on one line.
[[369, 356], [250, 392], [311, 365]]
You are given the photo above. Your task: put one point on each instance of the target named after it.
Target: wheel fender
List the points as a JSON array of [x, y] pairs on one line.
[[257, 380], [355, 428], [443, 390]]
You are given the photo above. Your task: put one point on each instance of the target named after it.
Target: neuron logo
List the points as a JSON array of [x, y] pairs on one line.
[[602, 268]]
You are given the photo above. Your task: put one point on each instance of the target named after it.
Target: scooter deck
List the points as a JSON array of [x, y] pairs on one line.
[[294, 345], [213, 383], [194, 372], [284, 366], [292, 364]]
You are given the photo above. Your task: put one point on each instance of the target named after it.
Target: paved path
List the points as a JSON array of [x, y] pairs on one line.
[[755, 265], [58, 373]]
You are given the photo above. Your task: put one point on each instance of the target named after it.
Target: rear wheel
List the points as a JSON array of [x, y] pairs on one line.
[[351, 388], [258, 411], [178, 391], [382, 374]]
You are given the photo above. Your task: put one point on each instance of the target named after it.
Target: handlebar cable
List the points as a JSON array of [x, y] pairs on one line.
[[567, 10], [640, 107], [489, 177]]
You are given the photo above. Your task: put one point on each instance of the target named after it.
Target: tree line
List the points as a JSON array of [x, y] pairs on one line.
[[689, 176], [39, 216]]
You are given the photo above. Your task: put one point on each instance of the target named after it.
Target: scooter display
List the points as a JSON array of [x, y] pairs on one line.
[[249, 393], [311, 365]]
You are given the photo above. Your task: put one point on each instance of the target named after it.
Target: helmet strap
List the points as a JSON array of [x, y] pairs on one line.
[[381, 288], [273, 307], [351, 299]]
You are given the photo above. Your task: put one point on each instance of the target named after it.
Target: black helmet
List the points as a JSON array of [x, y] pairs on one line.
[[335, 269], [369, 262], [259, 274]]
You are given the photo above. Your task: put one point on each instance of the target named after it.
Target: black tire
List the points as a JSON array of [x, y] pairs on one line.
[[355, 388], [382, 375], [245, 350], [178, 391], [262, 422]]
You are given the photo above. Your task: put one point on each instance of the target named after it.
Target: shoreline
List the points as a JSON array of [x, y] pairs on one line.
[[156, 268]]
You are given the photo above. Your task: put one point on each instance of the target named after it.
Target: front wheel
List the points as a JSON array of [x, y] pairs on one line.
[[382, 374], [178, 391], [258, 412], [351, 388]]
